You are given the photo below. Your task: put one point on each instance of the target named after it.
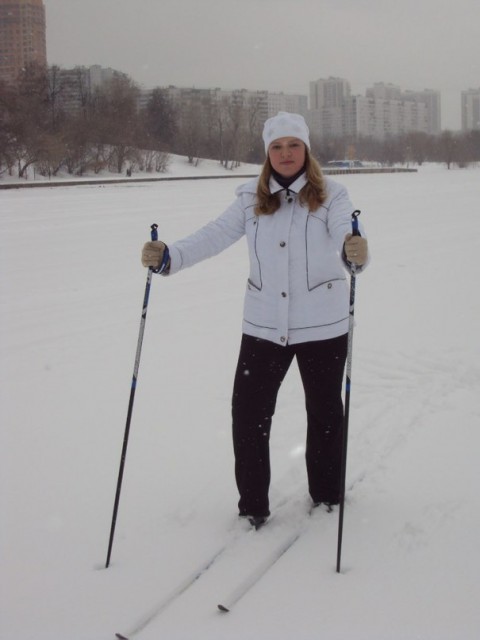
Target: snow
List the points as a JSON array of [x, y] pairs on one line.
[[70, 303], [178, 166]]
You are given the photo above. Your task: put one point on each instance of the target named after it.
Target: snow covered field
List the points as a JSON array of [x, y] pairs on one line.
[[70, 302]]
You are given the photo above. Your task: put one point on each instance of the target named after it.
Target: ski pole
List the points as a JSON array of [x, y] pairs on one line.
[[348, 383], [154, 236]]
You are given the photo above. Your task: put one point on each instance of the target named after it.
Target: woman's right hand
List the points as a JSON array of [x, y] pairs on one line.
[[153, 254]]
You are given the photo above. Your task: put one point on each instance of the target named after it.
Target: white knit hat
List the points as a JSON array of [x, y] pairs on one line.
[[285, 125]]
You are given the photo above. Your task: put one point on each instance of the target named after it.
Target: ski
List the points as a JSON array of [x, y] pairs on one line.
[[258, 572], [261, 569], [194, 577], [243, 587], [177, 592]]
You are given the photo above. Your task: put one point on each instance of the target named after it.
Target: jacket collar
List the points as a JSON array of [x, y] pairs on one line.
[[295, 187]]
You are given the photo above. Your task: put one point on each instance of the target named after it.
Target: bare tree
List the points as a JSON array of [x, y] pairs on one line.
[[190, 135], [160, 121], [54, 90], [116, 119], [52, 155], [230, 117], [7, 106], [418, 146], [252, 148], [447, 148], [153, 160]]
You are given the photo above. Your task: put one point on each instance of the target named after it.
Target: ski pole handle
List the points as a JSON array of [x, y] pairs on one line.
[[166, 254], [153, 237], [355, 214]]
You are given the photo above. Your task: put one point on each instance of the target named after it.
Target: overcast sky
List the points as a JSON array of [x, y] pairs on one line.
[[277, 45]]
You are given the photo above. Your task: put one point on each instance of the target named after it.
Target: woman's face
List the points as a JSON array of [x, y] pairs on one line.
[[287, 156]]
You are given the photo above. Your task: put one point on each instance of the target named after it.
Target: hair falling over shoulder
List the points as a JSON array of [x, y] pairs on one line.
[[312, 195]]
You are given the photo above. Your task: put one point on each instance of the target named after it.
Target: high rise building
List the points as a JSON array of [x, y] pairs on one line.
[[328, 93], [22, 36], [326, 117], [384, 111], [294, 103], [470, 109], [407, 110], [432, 101], [381, 118], [384, 91]]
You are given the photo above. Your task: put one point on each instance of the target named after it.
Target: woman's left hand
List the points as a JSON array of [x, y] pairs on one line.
[[356, 249]]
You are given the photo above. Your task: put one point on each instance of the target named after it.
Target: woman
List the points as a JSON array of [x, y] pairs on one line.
[[298, 229]]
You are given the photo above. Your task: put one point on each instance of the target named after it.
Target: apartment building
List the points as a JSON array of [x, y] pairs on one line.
[[433, 102], [470, 102], [327, 115], [204, 105], [381, 118], [22, 36], [384, 111], [329, 93], [74, 87], [294, 103]]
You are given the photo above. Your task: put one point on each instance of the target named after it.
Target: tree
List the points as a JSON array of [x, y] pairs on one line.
[[418, 146], [7, 102], [160, 120], [253, 149], [51, 155], [447, 148], [116, 119], [29, 117], [468, 147], [230, 127], [190, 135], [54, 90]]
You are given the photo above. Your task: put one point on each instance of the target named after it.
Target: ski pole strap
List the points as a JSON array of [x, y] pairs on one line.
[[164, 265]]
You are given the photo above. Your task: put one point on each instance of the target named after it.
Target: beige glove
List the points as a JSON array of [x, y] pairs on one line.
[[152, 254], [356, 249]]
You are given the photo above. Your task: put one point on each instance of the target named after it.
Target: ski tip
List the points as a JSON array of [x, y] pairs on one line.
[[223, 608], [120, 637]]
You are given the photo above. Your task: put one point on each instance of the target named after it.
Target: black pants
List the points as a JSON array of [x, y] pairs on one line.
[[261, 368]]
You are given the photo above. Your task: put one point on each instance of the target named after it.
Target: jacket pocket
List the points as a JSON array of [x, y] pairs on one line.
[[328, 284], [323, 267], [252, 286]]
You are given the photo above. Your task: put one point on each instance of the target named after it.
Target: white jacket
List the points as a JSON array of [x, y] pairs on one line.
[[297, 290]]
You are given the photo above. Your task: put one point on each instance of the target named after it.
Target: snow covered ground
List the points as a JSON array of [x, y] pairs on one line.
[[177, 166], [70, 303]]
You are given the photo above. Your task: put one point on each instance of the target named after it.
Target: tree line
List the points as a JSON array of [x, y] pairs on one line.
[[107, 130], [104, 131], [460, 148]]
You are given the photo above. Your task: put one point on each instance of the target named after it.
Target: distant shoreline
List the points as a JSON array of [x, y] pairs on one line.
[[105, 181]]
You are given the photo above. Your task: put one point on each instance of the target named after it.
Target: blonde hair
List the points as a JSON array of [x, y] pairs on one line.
[[313, 194]]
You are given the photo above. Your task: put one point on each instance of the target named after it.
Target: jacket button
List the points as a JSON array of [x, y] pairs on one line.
[[284, 295], [283, 339], [330, 285], [289, 200], [283, 243]]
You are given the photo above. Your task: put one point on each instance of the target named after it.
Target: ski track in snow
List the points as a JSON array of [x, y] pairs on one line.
[[70, 307]]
